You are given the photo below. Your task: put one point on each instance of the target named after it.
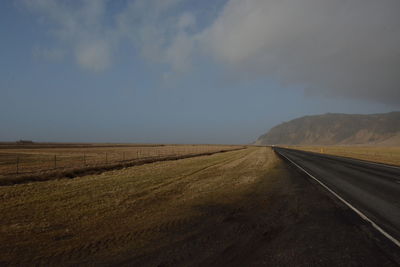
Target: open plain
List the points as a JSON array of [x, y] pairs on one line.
[[244, 207], [42, 159]]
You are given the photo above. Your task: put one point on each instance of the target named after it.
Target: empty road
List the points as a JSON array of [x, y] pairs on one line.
[[371, 189]]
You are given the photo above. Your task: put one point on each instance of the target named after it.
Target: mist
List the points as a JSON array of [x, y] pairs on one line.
[[339, 48]]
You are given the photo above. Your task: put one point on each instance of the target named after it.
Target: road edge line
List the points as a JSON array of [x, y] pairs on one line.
[[362, 215]]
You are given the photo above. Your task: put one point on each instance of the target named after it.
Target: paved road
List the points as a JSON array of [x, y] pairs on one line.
[[373, 189]]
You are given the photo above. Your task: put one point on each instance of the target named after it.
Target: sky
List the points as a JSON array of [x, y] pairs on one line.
[[189, 71]]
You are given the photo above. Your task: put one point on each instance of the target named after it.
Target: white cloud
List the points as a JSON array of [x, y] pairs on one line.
[[161, 37], [347, 48], [179, 53], [78, 26], [157, 28], [94, 56], [343, 48]]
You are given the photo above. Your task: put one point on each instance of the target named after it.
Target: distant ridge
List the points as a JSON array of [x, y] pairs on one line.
[[336, 129]]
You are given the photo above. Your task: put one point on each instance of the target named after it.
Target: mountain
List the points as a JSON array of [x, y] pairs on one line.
[[336, 129]]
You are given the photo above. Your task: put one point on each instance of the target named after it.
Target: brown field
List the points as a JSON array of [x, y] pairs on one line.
[[239, 208], [387, 155], [26, 159]]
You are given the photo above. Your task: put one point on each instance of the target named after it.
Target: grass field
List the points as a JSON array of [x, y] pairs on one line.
[[239, 208], [23, 159], [387, 155], [75, 220]]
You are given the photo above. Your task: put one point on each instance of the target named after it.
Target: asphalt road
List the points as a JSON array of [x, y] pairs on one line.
[[372, 189]]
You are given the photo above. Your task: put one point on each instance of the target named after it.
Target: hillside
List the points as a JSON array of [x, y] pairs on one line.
[[336, 129]]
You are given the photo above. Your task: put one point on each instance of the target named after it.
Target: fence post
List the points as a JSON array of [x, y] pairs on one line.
[[17, 164], [106, 158], [55, 161], [84, 159], [123, 156]]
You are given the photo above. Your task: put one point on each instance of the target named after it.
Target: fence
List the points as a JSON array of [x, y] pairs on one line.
[[25, 163]]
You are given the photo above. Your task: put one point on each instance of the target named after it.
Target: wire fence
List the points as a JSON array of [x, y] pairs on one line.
[[33, 162]]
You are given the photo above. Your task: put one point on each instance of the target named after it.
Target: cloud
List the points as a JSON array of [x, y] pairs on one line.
[[187, 20], [94, 55], [179, 53], [340, 48], [78, 26], [157, 28], [345, 48]]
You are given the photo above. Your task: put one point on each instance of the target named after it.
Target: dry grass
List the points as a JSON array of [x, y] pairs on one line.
[[387, 155], [99, 216], [40, 157], [239, 208]]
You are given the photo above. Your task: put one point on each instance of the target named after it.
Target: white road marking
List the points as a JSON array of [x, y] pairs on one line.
[[362, 215]]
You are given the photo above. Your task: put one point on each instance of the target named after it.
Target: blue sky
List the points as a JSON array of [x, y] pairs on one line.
[[176, 71]]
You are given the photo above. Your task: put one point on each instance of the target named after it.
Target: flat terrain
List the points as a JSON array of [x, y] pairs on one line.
[[40, 157], [239, 208], [382, 154]]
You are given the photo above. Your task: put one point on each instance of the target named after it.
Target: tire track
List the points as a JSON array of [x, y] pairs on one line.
[[173, 184], [168, 188]]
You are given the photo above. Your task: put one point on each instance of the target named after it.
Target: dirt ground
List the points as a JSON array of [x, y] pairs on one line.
[[240, 208]]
